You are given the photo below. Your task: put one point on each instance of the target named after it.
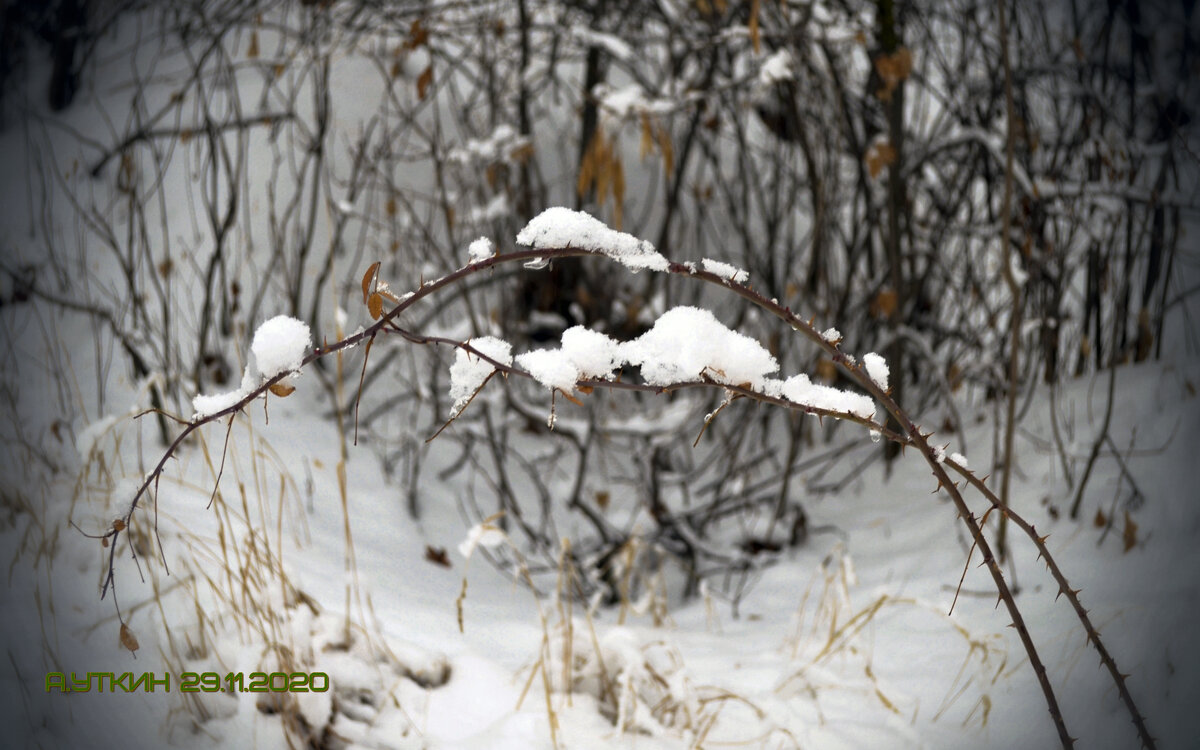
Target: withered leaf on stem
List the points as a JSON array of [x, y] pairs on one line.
[[1129, 535], [826, 371], [128, 639], [880, 155], [570, 398], [366, 281], [423, 82], [375, 305], [884, 304], [417, 35], [282, 390]]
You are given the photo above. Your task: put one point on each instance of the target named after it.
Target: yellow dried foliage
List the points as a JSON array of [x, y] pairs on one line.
[[881, 154], [892, 70], [423, 82], [755, 40]]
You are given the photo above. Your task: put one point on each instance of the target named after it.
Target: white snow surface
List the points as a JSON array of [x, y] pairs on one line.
[[470, 371], [877, 369], [550, 367], [687, 343], [562, 227], [280, 345], [594, 354]]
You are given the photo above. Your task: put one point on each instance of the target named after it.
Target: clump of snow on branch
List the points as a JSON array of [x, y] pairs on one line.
[[877, 369], [584, 354], [776, 68], [630, 100], [469, 371], [550, 367], [593, 354], [480, 250], [207, 405], [959, 459], [480, 535], [800, 390], [687, 343], [613, 45], [280, 345], [726, 271], [832, 335], [561, 227], [499, 146]]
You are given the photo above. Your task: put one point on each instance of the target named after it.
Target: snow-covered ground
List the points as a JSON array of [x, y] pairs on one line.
[[846, 643]]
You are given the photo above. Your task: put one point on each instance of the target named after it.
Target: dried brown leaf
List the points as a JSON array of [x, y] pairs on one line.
[[879, 155], [1129, 535], [417, 35], [884, 304], [570, 398], [282, 390], [366, 280], [423, 82], [128, 639], [375, 305]]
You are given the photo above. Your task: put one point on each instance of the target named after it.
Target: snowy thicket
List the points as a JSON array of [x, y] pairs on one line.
[[967, 215]]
